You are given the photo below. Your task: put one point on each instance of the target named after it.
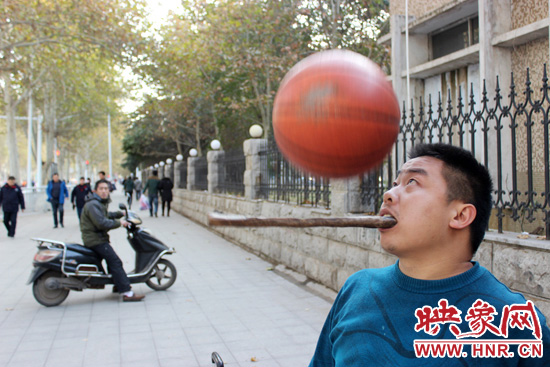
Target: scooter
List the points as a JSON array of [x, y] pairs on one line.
[[60, 267]]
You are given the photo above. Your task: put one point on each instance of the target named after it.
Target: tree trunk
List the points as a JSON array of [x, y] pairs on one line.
[[13, 153], [49, 129], [198, 137]]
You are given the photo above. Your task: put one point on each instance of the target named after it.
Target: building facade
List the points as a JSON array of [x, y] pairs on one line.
[[474, 76]]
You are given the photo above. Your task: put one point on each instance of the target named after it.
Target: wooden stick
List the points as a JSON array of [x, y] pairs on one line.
[[370, 221]]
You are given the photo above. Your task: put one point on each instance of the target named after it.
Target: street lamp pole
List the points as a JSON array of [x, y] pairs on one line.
[[110, 149], [39, 152], [29, 143]]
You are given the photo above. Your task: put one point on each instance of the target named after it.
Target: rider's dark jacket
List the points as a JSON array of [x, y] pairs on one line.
[[96, 221]]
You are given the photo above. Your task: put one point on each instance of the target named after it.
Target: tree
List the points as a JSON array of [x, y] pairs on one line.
[[216, 67], [38, 39]]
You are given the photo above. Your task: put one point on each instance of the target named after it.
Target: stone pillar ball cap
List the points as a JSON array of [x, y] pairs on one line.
[[256, 131]]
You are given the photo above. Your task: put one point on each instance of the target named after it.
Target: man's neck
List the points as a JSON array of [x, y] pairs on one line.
[[434, 270]]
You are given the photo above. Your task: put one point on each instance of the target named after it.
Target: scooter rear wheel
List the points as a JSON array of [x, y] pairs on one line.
[[163, 275], [46, 296]]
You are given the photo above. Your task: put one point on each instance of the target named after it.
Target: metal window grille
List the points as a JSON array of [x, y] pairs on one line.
[[508, 132], [283, 182]]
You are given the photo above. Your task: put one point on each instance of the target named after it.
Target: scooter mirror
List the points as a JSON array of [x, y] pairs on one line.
[[122, 206]]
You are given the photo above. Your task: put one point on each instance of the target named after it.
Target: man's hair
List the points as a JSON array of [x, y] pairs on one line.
[[155, 172], [81, 178], [55, 174], [98, 182], [11, 178], [102, 173], [467, 180]]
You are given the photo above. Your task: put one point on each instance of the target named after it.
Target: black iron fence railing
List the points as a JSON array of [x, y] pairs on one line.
[[280, 181], [374, 184], [507, 131], [182, 172], [234, 165], [201, 173]]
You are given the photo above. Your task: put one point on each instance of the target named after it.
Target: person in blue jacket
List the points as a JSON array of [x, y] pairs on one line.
[[434, 306], [11, 198], [57, 192]]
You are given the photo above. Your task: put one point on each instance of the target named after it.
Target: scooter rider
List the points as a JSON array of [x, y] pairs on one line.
[[95, 222]]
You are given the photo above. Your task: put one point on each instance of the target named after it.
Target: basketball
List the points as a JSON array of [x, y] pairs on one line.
[[335, 114]]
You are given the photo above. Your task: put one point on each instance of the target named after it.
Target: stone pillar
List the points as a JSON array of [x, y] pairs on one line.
[[161, 172], [253, 178], [178, 167], [191, 177], [346, 196], [216, 172]]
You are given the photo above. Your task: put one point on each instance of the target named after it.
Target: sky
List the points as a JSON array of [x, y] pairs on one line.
[[159, 9]]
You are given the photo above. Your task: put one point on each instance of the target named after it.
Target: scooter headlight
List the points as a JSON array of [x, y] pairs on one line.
[[43, 256]]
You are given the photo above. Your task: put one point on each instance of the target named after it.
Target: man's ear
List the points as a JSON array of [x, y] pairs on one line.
[[463, 216]]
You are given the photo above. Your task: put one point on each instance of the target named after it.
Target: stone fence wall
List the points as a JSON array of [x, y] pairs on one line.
[[330, 255]]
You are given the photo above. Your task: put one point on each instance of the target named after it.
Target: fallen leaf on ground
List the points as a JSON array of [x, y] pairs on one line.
[[523, 236], [253, 359]]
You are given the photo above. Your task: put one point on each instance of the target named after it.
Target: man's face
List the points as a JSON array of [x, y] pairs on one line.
[[418, 201], [55, 178], [102, 190], [11, 182], [82, 181], [101, 176]]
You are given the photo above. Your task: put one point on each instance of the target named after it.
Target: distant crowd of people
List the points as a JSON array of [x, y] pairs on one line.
[[12, 198]]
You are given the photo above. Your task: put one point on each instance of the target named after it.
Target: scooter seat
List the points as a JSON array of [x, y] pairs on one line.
[[81, 249]]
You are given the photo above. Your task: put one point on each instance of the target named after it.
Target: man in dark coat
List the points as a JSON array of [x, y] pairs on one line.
[[11, 198], [95, 222], [129, 189], [78, 196], [165, 188], [151, 187]]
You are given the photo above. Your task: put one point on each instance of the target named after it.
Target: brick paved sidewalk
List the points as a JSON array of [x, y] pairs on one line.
[[225, 299]]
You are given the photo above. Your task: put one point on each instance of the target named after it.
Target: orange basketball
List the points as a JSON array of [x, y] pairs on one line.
[[335, 114]]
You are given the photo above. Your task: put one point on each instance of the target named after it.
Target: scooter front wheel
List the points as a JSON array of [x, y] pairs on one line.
[[163, 275], [45, 294]]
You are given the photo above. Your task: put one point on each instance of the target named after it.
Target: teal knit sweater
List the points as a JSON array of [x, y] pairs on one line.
[[379, 313]]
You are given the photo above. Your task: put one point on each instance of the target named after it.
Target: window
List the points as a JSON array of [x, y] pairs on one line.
[[455, 38]]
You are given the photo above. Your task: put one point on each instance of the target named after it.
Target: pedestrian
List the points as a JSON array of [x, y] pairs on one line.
[[11, 198], [151, 187], [101, 175], [137, 188], [165, 189], [128, 184], [78, 196], [434, 293], [57, 192], [95, 224]]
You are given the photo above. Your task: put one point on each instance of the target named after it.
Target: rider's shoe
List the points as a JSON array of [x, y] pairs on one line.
[[134, 298]]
